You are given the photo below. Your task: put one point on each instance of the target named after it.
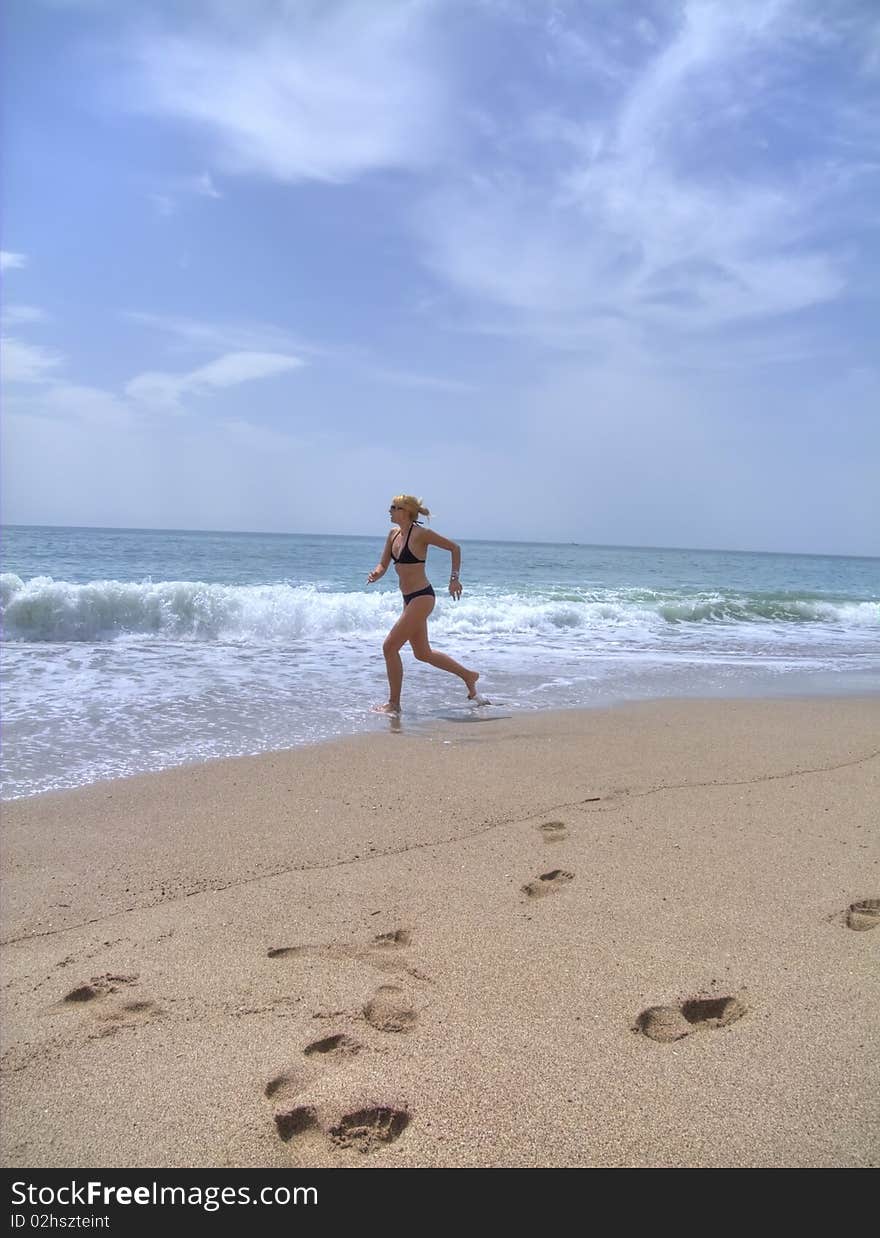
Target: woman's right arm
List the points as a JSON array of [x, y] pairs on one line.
[[382, 566]]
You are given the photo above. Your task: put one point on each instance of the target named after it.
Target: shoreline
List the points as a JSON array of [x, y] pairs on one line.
[[419, 724], [476, 916]]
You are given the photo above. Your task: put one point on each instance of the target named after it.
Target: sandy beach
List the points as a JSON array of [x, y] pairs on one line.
[[616, 937]]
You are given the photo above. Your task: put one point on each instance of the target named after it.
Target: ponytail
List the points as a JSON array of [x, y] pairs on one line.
[[414, 506]]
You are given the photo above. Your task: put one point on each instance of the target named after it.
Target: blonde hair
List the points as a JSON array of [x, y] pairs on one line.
[[412, 505]]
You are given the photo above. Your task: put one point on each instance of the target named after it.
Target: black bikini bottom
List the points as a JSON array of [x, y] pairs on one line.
[[420, 593]]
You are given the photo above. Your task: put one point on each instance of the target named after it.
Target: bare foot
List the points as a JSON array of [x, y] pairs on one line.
[[471, 680], [387, 708]]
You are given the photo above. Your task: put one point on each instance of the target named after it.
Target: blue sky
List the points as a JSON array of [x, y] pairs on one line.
[[592, 271]]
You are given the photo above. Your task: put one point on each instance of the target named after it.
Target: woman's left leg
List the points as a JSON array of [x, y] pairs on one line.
[[421, 647]]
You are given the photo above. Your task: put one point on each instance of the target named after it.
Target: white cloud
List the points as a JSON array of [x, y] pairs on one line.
[[652, 201], [239, 367], [27, 363], [712, 37], [166, 198], [18, 315], [204, 185], [24, 363], [298, 92], [623, 196], [88, 405], [192, 334], [9, 260], [163, 390]]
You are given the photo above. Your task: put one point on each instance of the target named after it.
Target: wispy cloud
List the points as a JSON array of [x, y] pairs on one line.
[[296, 92], [27, 363], [662, 165], [22, 315], [202, 185], [684, 193], [9, 260], [409, 378], [650, 225], [89, 406], [194, 334], [167, 199], [165, 391]]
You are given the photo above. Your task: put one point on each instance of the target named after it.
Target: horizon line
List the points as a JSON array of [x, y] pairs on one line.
[[806, 554]]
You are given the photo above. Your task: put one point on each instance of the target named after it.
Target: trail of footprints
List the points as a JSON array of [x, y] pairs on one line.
[[666, 1024], [363, 1129], [391, 1011], [550, 882]]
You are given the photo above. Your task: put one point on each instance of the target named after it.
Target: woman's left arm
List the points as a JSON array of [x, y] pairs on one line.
[[434, 539]]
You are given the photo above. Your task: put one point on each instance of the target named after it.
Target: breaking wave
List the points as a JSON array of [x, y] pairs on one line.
[[44, 609]]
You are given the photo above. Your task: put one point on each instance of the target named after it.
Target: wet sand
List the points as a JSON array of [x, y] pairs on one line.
[[610, 937]]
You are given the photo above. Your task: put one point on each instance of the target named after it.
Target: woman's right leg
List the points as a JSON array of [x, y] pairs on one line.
[[394, 669], [394, 642], [407, 626]]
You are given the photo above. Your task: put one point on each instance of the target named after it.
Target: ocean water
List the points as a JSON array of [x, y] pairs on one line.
[[133, 650]]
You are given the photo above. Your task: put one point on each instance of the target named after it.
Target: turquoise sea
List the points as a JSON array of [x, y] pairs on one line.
[[127, 650]]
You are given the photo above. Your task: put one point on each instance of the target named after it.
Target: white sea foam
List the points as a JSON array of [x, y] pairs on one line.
[[43, 609], [114, 676]]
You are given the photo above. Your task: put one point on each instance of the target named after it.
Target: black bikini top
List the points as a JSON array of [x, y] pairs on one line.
[[406, 555]]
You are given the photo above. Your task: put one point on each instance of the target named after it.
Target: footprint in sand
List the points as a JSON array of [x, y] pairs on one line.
[[364, 1130], [300, 1122], [390, 1010], [547, 883], [668, 1023], [98, 986], [367, 1129], [397, 937], [128, 1014], [338, 1046], [381, 943], [284, 1088], [863, 915], [553, 831], [369, 1126], [111, 1012], [386, 952]]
